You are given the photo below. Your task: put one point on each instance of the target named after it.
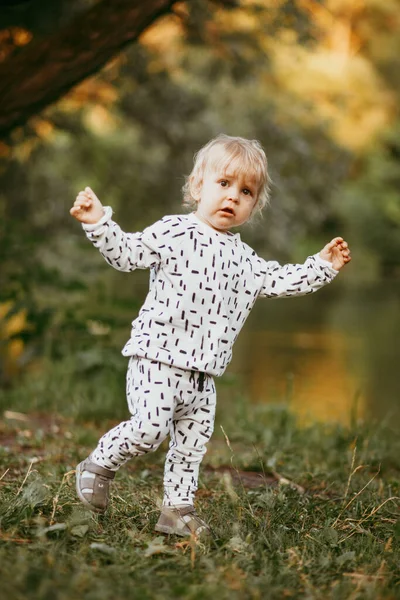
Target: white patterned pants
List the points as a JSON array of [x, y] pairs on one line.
[[164, 400]]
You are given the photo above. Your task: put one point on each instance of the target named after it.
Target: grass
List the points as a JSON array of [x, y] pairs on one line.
[[337, 540]]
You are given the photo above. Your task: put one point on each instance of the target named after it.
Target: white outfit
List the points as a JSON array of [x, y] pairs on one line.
[[203, 285]]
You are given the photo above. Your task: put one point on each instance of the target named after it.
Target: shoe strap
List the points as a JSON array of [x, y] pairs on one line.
[[186, 510], [93, 468]]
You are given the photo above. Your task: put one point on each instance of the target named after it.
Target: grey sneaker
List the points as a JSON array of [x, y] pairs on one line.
[[181, 520], [93, 485]]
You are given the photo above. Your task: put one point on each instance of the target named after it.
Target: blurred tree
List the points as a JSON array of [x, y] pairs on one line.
[[369, 205], [48, 67], [266, 69]]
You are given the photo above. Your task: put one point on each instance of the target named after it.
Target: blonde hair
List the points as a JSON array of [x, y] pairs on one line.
[[249, 156]]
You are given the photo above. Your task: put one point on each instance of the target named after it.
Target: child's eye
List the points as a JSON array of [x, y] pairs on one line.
[[223, 183], [247, 192]]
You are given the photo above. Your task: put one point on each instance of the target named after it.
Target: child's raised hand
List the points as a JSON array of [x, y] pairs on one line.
[[337, 252], [87, 207]]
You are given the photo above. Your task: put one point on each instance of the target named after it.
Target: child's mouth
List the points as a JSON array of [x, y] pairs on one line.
[[227, 211]]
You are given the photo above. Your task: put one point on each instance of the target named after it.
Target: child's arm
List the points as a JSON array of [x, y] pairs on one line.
[[298, 280], [123, 251]]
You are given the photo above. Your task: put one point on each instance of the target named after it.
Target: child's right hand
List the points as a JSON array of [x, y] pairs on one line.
[[87, 207]]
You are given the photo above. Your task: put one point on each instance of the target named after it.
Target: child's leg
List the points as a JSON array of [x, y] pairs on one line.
[[151, 404], [191, 429], [151, 401]]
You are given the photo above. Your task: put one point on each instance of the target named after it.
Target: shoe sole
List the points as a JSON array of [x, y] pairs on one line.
[[170, 530], [79, 471]]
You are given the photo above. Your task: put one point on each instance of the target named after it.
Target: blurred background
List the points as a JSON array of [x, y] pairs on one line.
[[137, 94]]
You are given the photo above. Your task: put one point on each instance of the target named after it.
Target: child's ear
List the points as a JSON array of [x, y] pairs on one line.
[[195, 189], [255, 209]]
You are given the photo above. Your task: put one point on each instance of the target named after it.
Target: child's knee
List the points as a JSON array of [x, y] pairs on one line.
[[191, 453], [151, 435]]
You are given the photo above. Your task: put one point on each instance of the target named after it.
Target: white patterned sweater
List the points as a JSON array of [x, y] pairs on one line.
[[203, 285]]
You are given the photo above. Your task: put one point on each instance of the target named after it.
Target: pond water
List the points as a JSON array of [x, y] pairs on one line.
[[333, 355]]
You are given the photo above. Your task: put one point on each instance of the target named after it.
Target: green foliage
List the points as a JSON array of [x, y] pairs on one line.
[[155, 108], [370, 209]]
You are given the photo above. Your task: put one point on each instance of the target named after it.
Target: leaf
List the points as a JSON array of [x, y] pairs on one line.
[[103, 548], [79, 530], [237, 544], [345, 558], [157, 546], [330, 535], [55, 527], [34, 494]]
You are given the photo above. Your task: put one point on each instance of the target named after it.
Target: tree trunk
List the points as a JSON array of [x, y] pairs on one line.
[[45, 70]]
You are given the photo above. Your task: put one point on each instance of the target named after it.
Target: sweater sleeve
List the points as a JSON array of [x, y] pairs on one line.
[[128, 251], [295, 280]]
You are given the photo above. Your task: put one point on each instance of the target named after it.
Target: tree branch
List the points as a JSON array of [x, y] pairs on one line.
[[47, 69]]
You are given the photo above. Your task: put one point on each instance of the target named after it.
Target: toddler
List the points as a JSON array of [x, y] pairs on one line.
[[204, 282]]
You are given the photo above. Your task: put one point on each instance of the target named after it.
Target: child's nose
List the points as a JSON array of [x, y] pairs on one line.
[[233, 194]]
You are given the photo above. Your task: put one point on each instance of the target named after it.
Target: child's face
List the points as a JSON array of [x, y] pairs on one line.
[[226, 198]]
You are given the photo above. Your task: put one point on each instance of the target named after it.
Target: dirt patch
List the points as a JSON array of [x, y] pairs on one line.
[[254, 479], [20, 432]]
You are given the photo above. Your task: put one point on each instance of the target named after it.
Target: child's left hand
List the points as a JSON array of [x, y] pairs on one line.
[[337, 252]]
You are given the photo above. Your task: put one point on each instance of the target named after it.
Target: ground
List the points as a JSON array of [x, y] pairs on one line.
[[296, 512]]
